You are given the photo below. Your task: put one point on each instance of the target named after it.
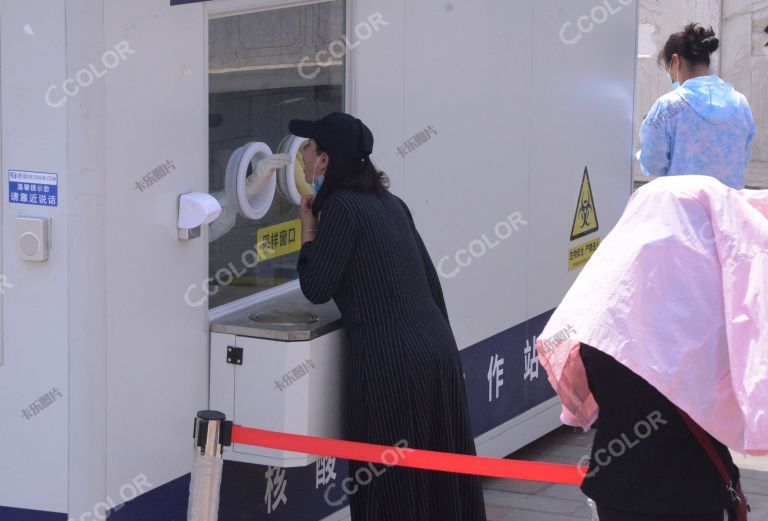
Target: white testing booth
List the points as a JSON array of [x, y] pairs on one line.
[[117, 324]]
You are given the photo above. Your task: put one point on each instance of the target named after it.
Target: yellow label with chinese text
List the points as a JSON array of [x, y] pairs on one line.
[[579, 255], [278, 240]]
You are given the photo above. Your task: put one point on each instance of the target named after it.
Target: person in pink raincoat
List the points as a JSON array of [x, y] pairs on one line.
[[669, 317]]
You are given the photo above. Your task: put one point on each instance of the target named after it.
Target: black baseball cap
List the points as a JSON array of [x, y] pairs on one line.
[[340, 134]]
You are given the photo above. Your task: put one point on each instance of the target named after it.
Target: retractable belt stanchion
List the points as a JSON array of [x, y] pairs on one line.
[[211, 433], [413, 458]]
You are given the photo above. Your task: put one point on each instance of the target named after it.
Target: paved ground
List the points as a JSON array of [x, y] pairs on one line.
[[508, 500]]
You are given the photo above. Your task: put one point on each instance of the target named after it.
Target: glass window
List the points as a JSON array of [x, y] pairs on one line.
[[266, 68]]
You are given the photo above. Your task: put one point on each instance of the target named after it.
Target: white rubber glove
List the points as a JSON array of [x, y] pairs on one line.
[[266, 167], [225, 221]]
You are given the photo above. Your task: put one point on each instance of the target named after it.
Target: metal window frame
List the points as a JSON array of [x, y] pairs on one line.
[[226, 8]]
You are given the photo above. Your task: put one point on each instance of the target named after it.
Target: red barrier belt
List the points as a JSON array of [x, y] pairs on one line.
[[414, 458]]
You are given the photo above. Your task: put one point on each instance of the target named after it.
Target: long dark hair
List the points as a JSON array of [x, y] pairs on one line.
[[359, 175], [694, 43]]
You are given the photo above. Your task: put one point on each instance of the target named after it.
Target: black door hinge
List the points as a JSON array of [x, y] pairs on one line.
[[235, 355]]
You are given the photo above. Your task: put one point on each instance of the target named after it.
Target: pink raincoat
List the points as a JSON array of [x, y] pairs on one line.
[[678, 293]]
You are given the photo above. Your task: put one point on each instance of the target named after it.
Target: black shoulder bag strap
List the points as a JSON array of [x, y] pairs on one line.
[[740, 505]]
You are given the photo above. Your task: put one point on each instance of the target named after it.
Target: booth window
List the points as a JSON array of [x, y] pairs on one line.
[[266, 68]]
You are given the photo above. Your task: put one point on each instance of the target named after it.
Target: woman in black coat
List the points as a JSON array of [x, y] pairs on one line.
[[646, 464], [405, 385]]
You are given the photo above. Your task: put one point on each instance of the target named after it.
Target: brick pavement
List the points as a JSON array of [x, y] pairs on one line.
[[508, 500]]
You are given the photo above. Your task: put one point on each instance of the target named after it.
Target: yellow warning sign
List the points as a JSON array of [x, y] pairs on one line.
[[585, 220], [579, 255], [280, 239]]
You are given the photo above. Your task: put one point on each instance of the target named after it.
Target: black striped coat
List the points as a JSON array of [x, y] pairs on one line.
[[404, 378]]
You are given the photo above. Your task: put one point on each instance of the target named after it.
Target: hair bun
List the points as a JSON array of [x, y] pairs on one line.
[[710, 44], [700, 39]]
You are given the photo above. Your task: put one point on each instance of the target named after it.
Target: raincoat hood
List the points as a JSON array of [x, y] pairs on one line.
[[713, 99]]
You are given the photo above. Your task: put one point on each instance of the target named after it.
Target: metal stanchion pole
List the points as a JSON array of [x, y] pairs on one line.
[[211, 433]]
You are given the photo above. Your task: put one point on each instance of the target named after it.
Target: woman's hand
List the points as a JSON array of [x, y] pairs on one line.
[[308, 220]]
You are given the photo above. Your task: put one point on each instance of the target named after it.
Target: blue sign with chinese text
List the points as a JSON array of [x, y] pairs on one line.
[[36, 188]]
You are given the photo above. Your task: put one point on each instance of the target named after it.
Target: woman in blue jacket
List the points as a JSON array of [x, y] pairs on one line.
[[702, 127]]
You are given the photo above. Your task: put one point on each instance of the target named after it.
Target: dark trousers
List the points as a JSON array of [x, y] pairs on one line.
[[609, 514]]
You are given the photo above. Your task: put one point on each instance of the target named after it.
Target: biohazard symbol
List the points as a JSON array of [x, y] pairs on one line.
[[585, 220]]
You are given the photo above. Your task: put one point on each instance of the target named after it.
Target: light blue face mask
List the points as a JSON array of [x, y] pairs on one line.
[[318, 182], [675, 84]]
